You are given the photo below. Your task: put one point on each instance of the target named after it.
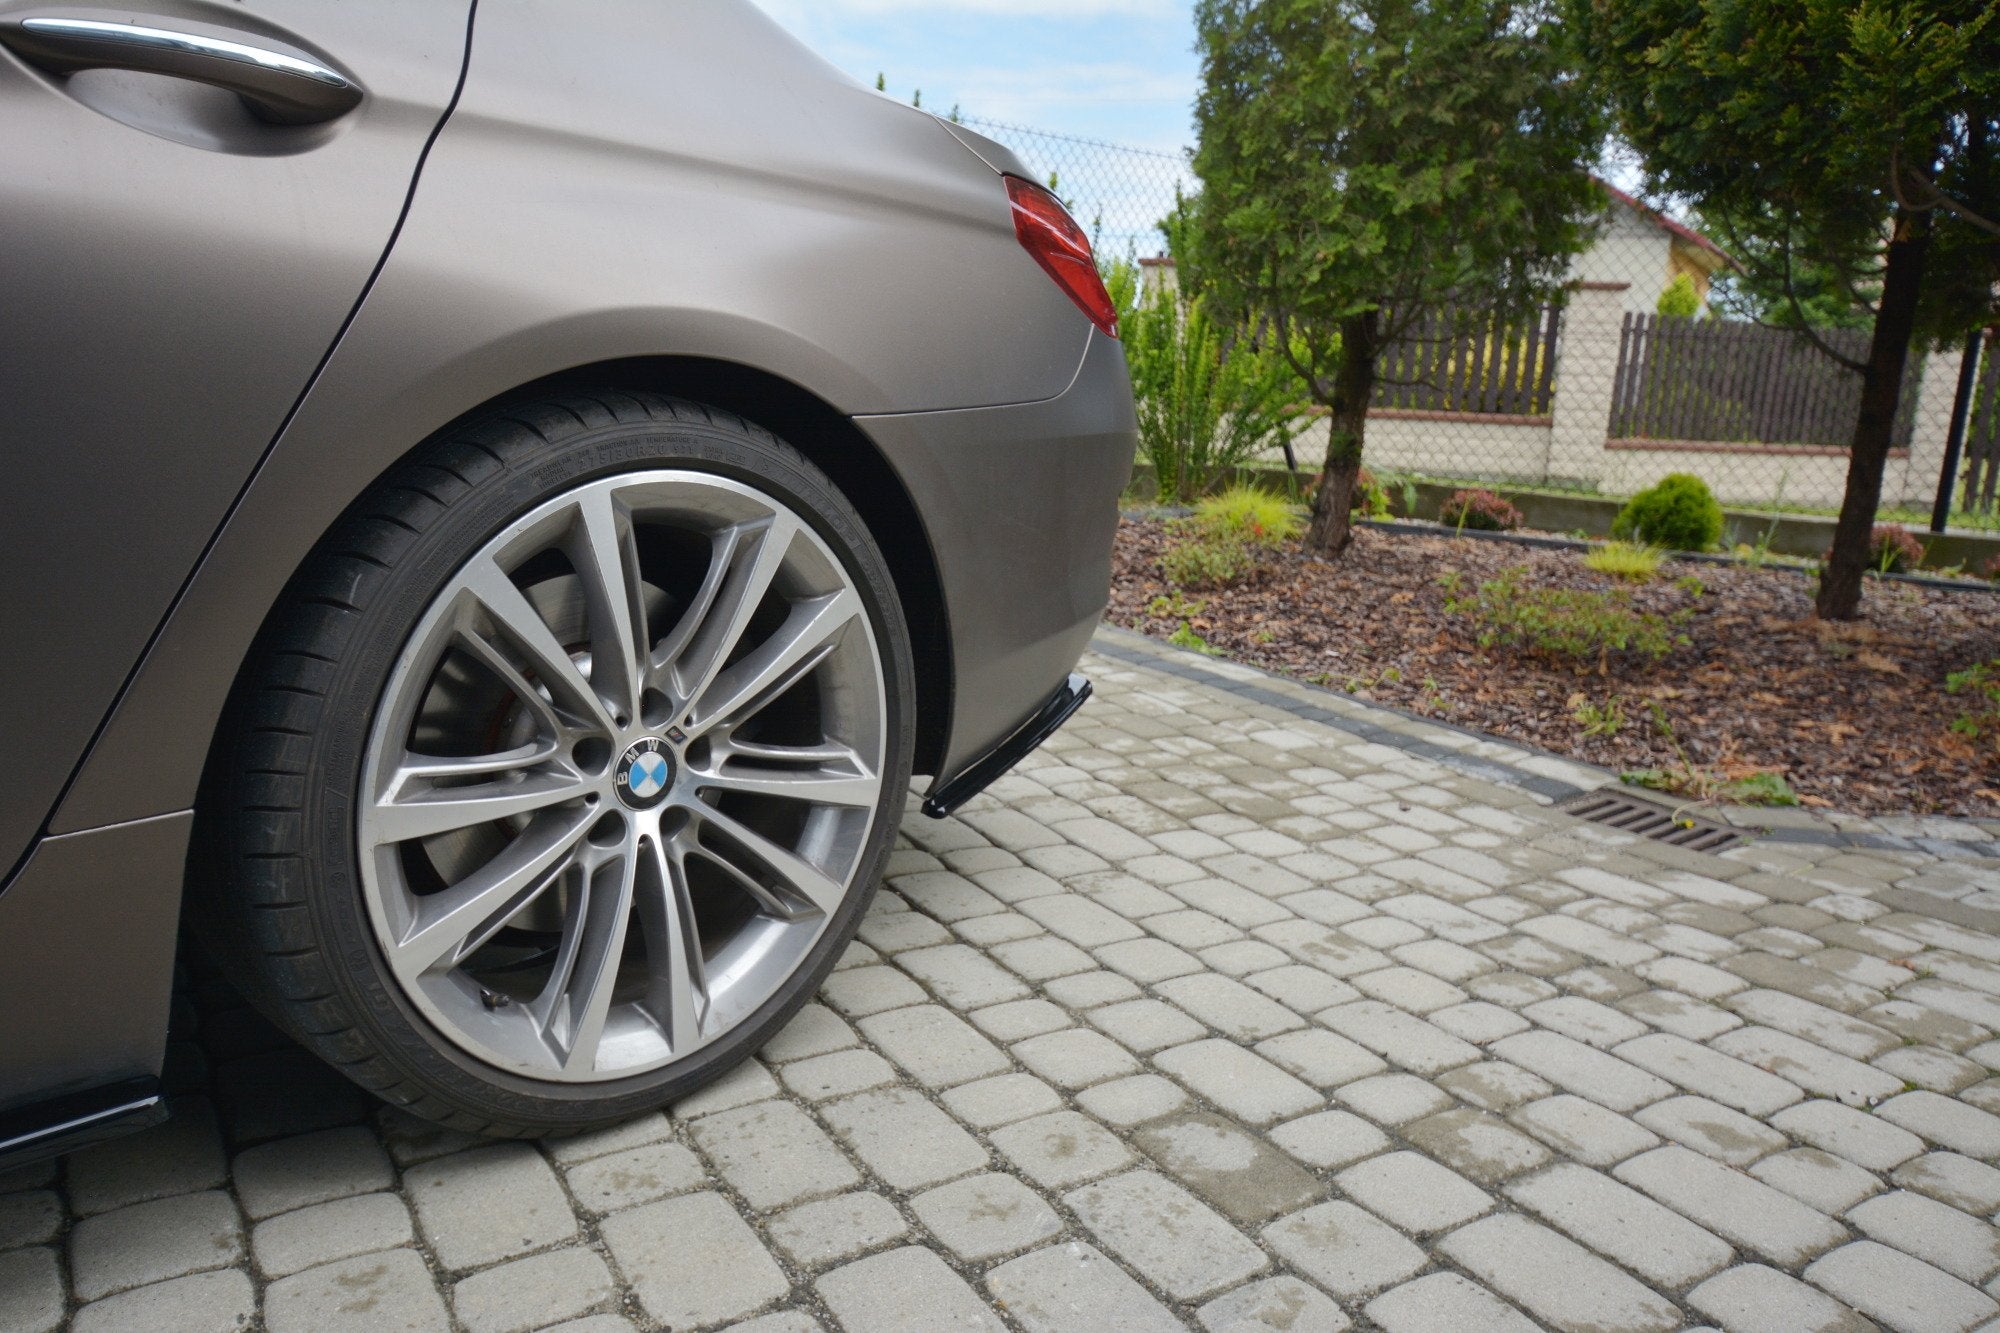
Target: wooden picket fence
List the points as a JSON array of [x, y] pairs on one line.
[[1730, 382], [1472, 363]]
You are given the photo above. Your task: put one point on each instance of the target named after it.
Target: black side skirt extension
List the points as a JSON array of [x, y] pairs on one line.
[[44, 1129], [980, 774]]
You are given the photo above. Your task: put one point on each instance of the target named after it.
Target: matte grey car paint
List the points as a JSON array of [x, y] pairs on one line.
[[620, 188]]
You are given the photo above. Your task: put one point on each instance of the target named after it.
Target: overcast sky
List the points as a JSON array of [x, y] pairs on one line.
[[1121, 70]]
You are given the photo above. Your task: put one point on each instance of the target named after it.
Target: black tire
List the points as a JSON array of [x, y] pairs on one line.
[[280, 900]]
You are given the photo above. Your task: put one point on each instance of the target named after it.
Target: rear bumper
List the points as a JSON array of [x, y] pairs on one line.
[[1020, 506]]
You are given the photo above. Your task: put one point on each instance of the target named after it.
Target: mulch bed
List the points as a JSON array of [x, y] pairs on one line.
[[1854, 717]]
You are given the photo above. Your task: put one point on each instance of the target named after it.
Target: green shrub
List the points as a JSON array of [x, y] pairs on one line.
[[1478, 509], [1202, 559], [1209, 396], [1563, 623], [1623, 560], [1679, 298], [1257, 517], [1980, 682], [1677, 512]]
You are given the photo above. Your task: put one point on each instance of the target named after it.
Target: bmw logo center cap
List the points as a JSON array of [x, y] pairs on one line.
[[645, 773]]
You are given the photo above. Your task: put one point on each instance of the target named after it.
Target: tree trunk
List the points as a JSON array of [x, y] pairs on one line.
[[1346, 423], [1881, 392]]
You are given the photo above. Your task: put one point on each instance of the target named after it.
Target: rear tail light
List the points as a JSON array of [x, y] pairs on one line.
[[1047, 231]]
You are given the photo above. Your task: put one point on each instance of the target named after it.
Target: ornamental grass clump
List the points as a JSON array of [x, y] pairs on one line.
[[1623, 560], [1566, 624], [1228, 536], [1678, 512], [1480, 510]]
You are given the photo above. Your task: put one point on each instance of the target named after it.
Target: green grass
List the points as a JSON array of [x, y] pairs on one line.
[[1623, 560]]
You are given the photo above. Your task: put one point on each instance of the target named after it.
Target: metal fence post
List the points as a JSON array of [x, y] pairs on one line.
[[1954, 440]]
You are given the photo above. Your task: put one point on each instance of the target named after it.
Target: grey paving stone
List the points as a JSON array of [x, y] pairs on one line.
[[1001, 1100], [532, 1293], [937, 1047], [1747, 1211], [782, 1321], [1400, 1038], [1329, 1139], [292, 1173], [905, 1140], [1590, 1073], [29, 1217], [814, 1030], [1069, 1288], [1242, 1083], [567, 1149], [203, 1303], [148, 1242], [1238, 1172], [1344, 1249], [692, 1261], [1866, 1140], [1817, 1178], [963, 977], [1966, 1247], [635, 1176], [1393, 1099], [373, 1293], [1321, 1058], [1412, 1192], [1229, 1006], [31, 1290], [822, 1232], [1087, 990], [1446, 1303], [1947, 1123], [773, 1154], [1143, 1025], [909, 1290], [1173, 1239], [748, 1082], [1755, 1299], [1477, 1145], [340, 1229], [860, 991], [1148, 960], [1554, 1278], [1272, 1304], [1132, 1101], [479, 1207], [1061, 1149], [1077, 1058], [1711, 1129], [836, 1074], [1902, 1293], [1495, 1085], [1584, 1130], [1018, 1020], [986, 1216], [1658, 1244], [182, 1156], [1952, 1178]]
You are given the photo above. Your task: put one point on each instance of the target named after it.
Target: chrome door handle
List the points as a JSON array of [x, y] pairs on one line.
[[280, 88]]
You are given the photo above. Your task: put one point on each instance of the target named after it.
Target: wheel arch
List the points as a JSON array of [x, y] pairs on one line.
[[176, 735]]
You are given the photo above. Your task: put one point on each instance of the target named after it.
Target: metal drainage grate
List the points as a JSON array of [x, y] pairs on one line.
[[1614, 808]]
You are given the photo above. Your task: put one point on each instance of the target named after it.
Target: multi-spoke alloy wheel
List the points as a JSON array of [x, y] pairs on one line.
[[626, 773]]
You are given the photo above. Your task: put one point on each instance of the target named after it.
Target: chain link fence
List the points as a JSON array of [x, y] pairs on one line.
[[1119, 193], [1605, 394]]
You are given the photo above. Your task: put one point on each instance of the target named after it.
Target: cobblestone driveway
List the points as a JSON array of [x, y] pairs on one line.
[[1239, 1007]]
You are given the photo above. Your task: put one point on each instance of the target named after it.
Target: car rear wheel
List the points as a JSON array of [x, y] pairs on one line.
[[567, 767]]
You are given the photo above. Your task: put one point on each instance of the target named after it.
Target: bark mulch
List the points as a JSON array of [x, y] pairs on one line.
[[1853, 717]]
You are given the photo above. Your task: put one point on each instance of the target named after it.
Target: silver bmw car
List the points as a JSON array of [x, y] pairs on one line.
[[498, 505]]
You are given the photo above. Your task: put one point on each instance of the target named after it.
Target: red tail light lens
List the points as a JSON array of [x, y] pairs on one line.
[[1047, 231]]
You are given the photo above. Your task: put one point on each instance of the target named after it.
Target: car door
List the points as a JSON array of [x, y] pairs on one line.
[[195, 197]]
